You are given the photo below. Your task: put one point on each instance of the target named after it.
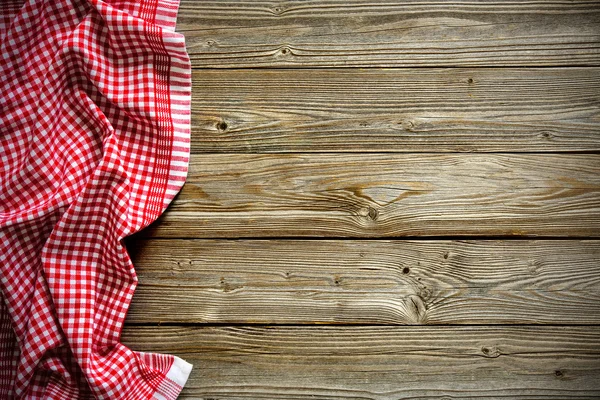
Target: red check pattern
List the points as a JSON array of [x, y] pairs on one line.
[[94, 144]]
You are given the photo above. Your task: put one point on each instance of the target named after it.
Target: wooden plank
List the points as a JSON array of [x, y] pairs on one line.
[[334, 33], [381, 362], [366, 281], [403, 110], [377, 195]]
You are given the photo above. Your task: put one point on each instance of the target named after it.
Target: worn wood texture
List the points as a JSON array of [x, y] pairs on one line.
[[380, 282], [376, 195], [295, 362], [402, 110], [344, 33], [383, 152]]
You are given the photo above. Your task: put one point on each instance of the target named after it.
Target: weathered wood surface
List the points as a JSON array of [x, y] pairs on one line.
[[403, 110], [344, 33], [295, 362], [354, 311], [376, 195], [366, 281]]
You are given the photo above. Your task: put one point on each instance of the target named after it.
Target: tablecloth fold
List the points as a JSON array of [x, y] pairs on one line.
[[94, 144]]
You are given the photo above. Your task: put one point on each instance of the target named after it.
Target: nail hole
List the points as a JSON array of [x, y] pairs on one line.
[[285, 51], [558, 373], [446, 256], [470, 80], [406, 270]]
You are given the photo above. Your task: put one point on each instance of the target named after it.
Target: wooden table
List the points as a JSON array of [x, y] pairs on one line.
[[385, 200]]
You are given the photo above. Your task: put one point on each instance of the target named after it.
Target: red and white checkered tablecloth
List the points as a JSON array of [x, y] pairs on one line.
[[94, 144]]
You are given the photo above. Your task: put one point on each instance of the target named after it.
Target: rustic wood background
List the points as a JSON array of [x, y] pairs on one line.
[[391, 199]]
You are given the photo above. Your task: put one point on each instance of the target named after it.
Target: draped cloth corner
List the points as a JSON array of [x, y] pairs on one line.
[[94, 144]]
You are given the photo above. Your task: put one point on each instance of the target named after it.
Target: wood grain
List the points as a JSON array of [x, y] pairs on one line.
[[381, 362], [336, 33], [401, 110], [380, 282], [377, 195]]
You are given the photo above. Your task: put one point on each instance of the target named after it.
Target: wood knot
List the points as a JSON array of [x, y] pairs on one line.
[[373, 214], [559, 374], [368, 213], [285, 51], [533, 266], [222, 126], [416, 308], [490, 352], [228, 287], [425, 293]]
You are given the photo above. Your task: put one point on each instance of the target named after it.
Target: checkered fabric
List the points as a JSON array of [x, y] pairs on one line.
[[94, 144]]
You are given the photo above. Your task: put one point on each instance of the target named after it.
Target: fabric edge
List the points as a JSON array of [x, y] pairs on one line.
[[166, 14], [179, 105], [172, 90], [174, 380]]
